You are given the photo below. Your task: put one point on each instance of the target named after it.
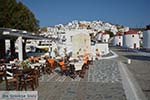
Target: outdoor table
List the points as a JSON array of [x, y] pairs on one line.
[[42, 61], [33, 65], [77, 65], [58, 57], [71, 59], [12, 62]]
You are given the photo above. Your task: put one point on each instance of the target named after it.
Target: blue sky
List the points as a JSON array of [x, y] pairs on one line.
[[132, 13]]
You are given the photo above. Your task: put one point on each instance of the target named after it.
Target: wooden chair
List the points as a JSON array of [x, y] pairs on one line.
[[83, 71], [1, 72], [26, 80], [48, 69], [50, 65], [64, 68], [35, 76], [72, 72], [2, 61], [11, 82]]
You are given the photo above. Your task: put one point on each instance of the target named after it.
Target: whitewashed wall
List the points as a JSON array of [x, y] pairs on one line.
[[117, 40], [146, 39], [129, 41], [102, 47], [105, 38], [99, 37], [81, 42]]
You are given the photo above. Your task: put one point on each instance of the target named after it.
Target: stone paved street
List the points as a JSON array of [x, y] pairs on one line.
[[104, 71]]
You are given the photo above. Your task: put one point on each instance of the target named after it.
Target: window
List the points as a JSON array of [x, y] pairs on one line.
[[132, 35], [104, 40]]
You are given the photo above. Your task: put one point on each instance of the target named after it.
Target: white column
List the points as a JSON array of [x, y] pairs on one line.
[[50, 50], [20, 49]]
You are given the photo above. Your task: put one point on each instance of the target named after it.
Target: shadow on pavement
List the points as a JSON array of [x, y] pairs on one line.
[[137, 57]]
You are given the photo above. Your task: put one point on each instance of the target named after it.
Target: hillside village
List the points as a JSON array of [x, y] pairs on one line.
[[93, 26], [98, 34], [98, 31]]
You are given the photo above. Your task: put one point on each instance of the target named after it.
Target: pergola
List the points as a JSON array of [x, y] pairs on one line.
[[12, 35]]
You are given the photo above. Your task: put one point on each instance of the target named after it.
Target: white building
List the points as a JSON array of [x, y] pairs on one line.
[[131, 39], [99, 36], [103, 48], [118, 39], [77, 40], [105, 37], [114, 29], [81, 43], [146, 38]]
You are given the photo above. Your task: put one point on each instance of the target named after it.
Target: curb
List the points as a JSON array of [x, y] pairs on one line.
[[110, 57]]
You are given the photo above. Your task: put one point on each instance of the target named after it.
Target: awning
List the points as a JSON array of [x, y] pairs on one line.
[[7, 33]]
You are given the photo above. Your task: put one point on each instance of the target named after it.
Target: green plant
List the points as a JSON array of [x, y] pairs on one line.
[[23, 64]]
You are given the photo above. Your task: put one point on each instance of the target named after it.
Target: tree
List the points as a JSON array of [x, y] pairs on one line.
[[6, 11], [16, 15], [25, 19]]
